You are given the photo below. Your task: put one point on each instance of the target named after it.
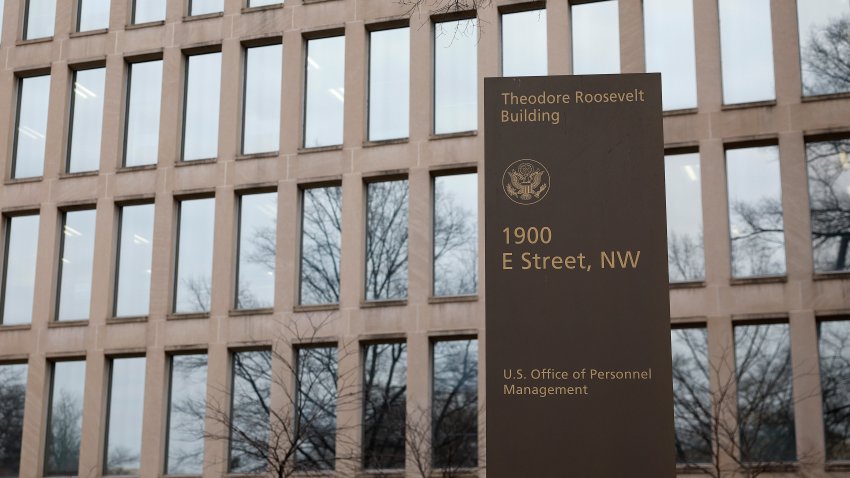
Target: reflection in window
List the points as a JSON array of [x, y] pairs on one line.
[[19, 269], [65, 419], [325, 92], [249, 424], [261, 115], [31, 130], [193, 279], [685, 252], [200, 121], [755, 211], [40, 19], [321, 230], [389, 84], [456, 76], [135, 248], [524, 43], [93, 15], [829, 203], [386, 240], [455, 404], [823, 28], [13, 389], [186, 412], [1, 19], [317, 403], [596, 37], [75, 266], [148, 11], [384, 402], [746, 48], [257, 239], [262, 3], [691, 396], [669, 29], [126, 407], [834, 341], [144, 85], [456, 234], [202, 7], [87, 120]]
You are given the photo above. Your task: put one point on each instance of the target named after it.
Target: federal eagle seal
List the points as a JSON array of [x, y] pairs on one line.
[[526, 182]]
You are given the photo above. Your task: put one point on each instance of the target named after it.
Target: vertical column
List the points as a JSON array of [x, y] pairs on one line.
[[34, 413], [718, 267], [488, 60], [112, 138], [171, 114], [103, 264], [153, 427], [559, 43], [349, 411], [92, 433], [707, 44], [419, 232], [120, 15], [293, 90], [808, 408], [162, 259], [421, 77], [352, 268], [786, 51], [795, 207], [632, 57], [55, 152], [355, 84], [223, 279], [218, 402], [230, 113], [418, 397], [724, 390], [66, 21], [287, 281]]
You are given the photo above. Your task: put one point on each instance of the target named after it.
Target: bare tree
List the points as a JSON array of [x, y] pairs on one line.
[[12, 397], [685, 257], [826, 68], [439, 7]]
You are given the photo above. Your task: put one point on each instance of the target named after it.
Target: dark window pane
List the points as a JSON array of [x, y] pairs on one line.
[[76, 264], [13, 389], [455, 404], [93, 15], [685, 251], [257, 239], [829, 201], [321, 228], [31, 131], [668, 26], [261, 128], [202, 7], [455, 76], [249, 434], [834, 341], [87, 121], [386, 240], [143, 108], [524, 43], [384, 398], [317, 402], [132, 295], [746, 48], [691, 396], [186, 413], [148, 11], [194, 256], [40, 20], [62, 451], [200, 121], [19, 273], [325, 92], [824, 45], [389, 84], [456, 234], [126, 407], [596, 37]]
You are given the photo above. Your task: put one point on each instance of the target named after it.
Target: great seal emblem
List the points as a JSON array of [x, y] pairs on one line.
[[526, 182]]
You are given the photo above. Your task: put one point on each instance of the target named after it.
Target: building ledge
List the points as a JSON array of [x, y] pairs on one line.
[[320, 149], [315, 308], [139, 26], [34, 41], [837, 465], [449, 299], [56, 324], [133, 169], [14, 327], [193, 162], [127, 320], [187, 315], [246, 312], [88, 33], [459, 134], [205, 16], [262, 8], [265, 155], [759, 280], [687, 285], [680, 112], [33, 179], [839, 275], [372, 304], [752, 104], [825, 97], [385, 142], [81, 174]]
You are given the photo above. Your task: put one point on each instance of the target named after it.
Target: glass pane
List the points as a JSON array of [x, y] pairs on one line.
[[1, 18], [317, 402], [41, 17], [186, 412], [261, 3], [456, 234], [765, 396], [455, 404], [823, 28], [596, 38], [202, 7], [144, 98], [94, 15], [13, 390], [132, 298], [524, 43], [87, 121], [325, 92], [200, 124], [384, 402], [386, 240], [75, 267], [148, 11], [456, 76], [257, 239], [194, 255], [261, 128], [19, 273], [126, 407], [829, 202], [755, 211], [685, 251], [250, 410], [691, 396], [834, 340], [65, 419], [746, 47], [33, 100], [321, 229], [389, 84], [669, 29]]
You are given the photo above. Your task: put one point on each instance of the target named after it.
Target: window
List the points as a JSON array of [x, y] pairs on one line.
[[389, 84], [685, 251], [755, 211], [186, 412], [834, 344], [75, 266], [145, 11], [596, 37], [262, 3], [40, 19], [249, 425], [317, 403], [823, 28], [454, 406], [384, 402], [746, 50], [524, 43], [456, 234], [87, 120], [325, 92], [144, 85], [321, 232], [193, 278], [65, 418], [386, 240], [13, 390], [93, 15], [456, 76], [124, 415], [765, 396], [261, 114], [692, 406], [31, 130], [200, 121], [669, 29], [1, 19], [829, 203], [19, 269], [203, 7], [257, 239], [135, 248]]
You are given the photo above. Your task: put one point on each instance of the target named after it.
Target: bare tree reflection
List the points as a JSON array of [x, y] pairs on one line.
[[685, 257], [12, 397], [386, 240], [829, 196], [455, 241], [758, 240], [63, 439], [825, 65], [384, 406], [320, 245], [835, 385]]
